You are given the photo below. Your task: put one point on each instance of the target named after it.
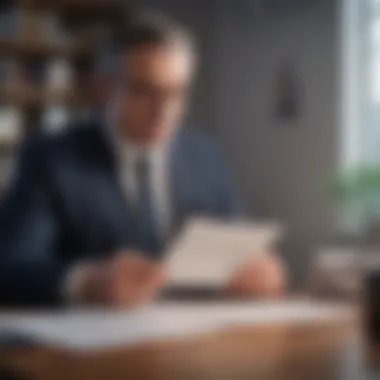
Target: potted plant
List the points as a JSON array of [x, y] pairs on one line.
[[357, 191]]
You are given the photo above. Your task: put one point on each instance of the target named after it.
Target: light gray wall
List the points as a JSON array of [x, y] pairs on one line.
[[281, 169]]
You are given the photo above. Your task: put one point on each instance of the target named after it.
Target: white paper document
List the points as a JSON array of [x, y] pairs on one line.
[[91, 330], [207, 251]]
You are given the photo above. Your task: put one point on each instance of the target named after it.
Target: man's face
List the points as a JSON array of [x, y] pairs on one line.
[[154, 89]]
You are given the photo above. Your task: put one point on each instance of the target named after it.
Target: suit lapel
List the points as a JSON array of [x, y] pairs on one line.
[[187, 196], [117, 208], [180, 191], [186, 190]]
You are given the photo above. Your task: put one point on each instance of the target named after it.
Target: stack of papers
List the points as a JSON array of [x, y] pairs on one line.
[[208, 251], [89, 330]]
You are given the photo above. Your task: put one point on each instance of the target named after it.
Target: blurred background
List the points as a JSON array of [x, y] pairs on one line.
[[289, 87]]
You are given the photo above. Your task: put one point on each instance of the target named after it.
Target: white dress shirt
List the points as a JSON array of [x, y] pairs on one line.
[[128, 158]]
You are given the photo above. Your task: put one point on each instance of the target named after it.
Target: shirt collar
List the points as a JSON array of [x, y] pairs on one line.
[[129, 151]]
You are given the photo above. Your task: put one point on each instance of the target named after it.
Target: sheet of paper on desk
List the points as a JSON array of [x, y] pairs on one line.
[[207, 251], [91, 330]]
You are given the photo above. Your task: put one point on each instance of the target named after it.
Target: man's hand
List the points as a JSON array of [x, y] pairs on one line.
[[125, 281], [262, 278]]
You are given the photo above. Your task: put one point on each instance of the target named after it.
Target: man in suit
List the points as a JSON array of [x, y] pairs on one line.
[[88, 215]]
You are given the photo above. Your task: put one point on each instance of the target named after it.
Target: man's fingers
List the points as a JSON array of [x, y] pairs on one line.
[[134, 280], [263, 277], [154, 283]]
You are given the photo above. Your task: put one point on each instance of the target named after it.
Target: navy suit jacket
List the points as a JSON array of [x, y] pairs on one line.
[[66, 205]]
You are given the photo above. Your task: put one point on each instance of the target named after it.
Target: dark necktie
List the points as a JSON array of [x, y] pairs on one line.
[[149, 239]]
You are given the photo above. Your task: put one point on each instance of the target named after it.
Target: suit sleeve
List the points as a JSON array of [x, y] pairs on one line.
[[30, 272]]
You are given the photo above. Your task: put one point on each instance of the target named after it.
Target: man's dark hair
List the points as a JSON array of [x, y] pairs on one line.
[[144, 30], [153, 29]]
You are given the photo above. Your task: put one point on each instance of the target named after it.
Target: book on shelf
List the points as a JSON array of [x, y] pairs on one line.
[[55, 118], [40, 25], [11, 119], [9, 22], [59, 75], [11, 73]]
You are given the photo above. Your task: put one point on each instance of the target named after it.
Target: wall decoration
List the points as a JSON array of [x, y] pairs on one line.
[[287, 93]]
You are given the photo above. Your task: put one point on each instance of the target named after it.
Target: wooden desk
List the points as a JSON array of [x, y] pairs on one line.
[[329, 351]]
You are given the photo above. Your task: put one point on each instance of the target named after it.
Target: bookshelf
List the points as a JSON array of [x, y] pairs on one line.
[[47, 51], [24, 49], [29, 96]]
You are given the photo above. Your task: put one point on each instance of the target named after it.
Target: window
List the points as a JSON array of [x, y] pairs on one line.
[[360, 41], [374, 80], [360, 82]]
